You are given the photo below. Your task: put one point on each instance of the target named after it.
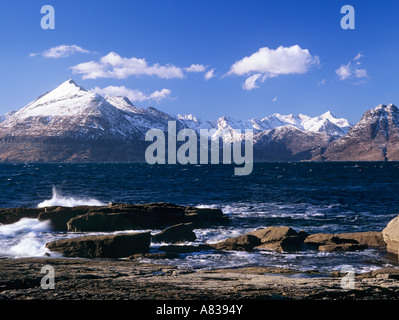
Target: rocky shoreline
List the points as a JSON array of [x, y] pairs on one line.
[[111, 279], [111, 267]]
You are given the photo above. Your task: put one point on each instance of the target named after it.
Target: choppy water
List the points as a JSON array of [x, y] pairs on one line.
[[315, 197]]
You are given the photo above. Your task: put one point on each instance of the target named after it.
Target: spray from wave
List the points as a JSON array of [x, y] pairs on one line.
[[59, 200], [25, 238]]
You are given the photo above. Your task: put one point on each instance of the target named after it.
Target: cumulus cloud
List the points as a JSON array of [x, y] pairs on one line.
[[196, 68], [63, 51], [268, 63], [209, 74], [352, 70], [133, 94], [113, 65]]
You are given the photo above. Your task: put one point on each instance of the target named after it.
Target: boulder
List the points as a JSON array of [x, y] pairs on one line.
[[273, 234], [279, 239], [203, 217], [319, 239], [287, 244], [391, 236], [178, 233], [105, 246], [241, 243]]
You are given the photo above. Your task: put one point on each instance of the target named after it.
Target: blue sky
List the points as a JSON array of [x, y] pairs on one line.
[[260, 57]]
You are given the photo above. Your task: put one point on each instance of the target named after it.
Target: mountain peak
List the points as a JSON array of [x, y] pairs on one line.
[[70, 84], [327, 115], [384, 108]]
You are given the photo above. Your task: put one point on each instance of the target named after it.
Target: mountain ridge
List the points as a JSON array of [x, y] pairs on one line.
[[71, 123]]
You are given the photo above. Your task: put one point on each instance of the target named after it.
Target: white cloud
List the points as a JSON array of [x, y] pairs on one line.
[[63, 51], [114, 66], [209, 74], [358, 56], [360, 73], [270, 63], [321, 82], [33, 54], [196, 68], [160, 95], [344, 71], [274, 99], [133, 94], [250, 82], [351, 70]]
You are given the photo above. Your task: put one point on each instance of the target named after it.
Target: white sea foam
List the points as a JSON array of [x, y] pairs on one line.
[[25, 238], [23, 226], [59, 200]]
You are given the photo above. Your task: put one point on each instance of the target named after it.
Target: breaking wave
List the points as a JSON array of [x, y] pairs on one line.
[[25, 238], [59, 200]]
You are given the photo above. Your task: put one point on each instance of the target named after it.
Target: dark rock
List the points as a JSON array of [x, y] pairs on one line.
[[178, 233], [102, 221], [128, 217], [242, 243], [203, 217], [12, 215], [107, 246], [341, 247], [116, 216], [59, 216], [287, 244]]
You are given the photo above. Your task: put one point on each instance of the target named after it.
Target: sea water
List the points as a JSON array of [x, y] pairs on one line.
[[315, 197]]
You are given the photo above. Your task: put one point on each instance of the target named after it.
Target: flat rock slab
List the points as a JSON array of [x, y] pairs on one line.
[[108, 246], [116, 216]]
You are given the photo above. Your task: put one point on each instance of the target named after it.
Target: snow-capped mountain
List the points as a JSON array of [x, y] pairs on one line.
[[374, 138], [71, 123], [227, 127], [68, 111]]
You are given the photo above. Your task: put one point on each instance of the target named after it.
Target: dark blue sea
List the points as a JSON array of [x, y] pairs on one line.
[[315, 197]]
